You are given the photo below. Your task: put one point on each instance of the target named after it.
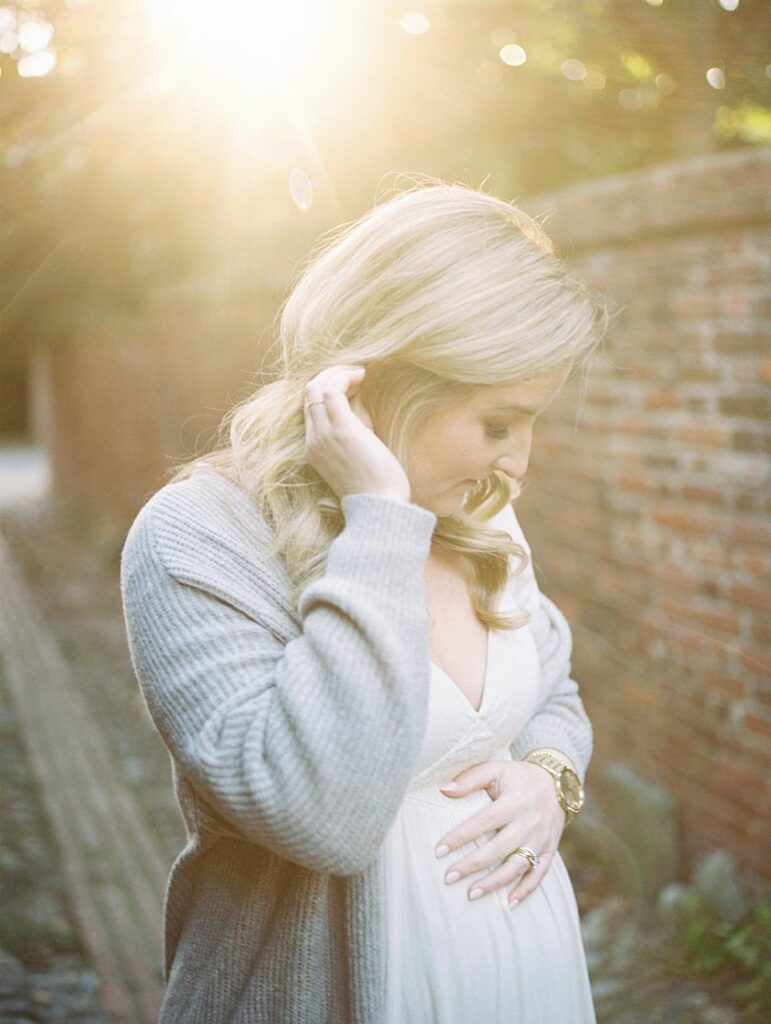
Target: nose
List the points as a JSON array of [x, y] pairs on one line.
[[514, 459]]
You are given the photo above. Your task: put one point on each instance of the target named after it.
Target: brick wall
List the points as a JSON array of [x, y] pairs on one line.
[[649, 499]]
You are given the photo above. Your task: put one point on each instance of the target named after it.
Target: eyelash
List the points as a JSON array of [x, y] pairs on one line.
[[496, 431]]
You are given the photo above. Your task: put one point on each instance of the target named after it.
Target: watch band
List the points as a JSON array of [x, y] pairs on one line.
[[555, 766]]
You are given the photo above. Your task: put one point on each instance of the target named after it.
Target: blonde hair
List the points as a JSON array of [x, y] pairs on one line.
[[439, 289]]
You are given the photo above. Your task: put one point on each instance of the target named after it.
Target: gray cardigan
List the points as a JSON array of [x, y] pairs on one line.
[[293, 739]]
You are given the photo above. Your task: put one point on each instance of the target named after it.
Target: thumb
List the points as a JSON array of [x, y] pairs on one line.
[[479, 776]]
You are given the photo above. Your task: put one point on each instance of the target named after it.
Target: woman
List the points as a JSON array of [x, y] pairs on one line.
[[335, 615]]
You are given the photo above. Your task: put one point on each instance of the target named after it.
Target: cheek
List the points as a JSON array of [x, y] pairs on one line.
[[447, 447]]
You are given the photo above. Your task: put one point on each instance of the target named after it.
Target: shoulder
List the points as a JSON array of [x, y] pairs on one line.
[[204, 531]]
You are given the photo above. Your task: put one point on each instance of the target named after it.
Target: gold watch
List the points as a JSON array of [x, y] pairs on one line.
[[570, 792]]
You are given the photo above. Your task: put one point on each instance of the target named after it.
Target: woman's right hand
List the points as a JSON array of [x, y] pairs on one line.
[[341, 446]]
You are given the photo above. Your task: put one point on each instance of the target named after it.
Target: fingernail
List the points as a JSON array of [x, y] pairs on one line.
[[475, 894], [442, 850], [452, 877], [450, 786], [513, 903]]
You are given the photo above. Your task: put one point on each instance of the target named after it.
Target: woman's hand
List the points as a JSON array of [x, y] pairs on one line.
[[342, 446], [524, 812]]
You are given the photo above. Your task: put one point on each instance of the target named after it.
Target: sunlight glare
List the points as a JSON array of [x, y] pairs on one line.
[[300, 188], [252, 41]]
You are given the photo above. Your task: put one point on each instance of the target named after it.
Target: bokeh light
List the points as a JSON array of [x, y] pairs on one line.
[[36, 65], [573, 70], [414, 23], [513, 55], [35, 35]]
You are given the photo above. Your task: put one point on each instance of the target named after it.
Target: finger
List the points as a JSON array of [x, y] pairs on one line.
[[480, 776], [511, 872], [316, 415], [337, 378], [531, 881], [339, 409], [488, 820], [321, 392], [498, 846]]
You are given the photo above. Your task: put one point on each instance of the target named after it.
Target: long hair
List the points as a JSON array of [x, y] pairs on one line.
[[439, 289]]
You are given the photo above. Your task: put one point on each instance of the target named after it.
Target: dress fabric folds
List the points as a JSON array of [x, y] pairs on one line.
[[455, 961]]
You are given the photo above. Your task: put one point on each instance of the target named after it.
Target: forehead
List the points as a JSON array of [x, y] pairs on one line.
[[532, 393]]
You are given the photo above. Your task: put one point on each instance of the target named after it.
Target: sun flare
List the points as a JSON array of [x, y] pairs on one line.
[[252, 43]]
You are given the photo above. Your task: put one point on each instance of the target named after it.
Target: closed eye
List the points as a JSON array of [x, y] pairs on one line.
[[496, 430]]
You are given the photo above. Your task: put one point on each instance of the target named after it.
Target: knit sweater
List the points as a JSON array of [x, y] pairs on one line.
[[293, 735]]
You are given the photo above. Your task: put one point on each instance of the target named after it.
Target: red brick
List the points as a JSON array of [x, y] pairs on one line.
[[761, 726], [747, 441], [701, 305], [728, 343], [756, 662], [707, 495], [663, 400], [761, 631], [637, 484], [682, 520], [750, 597], [749, 406], [756, 532], [727, 684], [715, 435]]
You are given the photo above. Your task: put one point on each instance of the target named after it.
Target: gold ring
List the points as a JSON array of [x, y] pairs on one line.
[[530, 855]]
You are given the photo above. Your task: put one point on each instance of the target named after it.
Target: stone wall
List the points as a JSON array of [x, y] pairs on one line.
[[649, 498]]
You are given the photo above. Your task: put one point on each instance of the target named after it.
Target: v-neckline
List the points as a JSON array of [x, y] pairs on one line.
[[485, 679]]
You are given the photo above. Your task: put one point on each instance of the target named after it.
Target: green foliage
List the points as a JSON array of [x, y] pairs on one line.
[[741, 952]]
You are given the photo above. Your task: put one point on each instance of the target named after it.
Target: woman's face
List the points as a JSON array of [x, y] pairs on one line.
[[492, 429]]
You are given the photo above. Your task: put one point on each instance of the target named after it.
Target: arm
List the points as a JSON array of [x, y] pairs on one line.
[[560, 722], [304, 747]]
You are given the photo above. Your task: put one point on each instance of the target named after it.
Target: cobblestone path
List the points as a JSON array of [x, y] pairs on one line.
[[113, 871]]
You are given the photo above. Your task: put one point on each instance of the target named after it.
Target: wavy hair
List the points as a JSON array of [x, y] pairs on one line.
[[438, 289]]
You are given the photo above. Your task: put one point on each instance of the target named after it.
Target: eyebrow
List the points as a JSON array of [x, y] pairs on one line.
[[513, 408]]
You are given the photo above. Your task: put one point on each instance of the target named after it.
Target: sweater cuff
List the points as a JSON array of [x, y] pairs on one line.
[[389, 536]]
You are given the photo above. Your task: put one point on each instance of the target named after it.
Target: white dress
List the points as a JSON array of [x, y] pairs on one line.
[[455, 961]]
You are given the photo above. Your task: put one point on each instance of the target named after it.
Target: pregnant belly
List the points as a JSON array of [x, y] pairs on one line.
[[412, 866], [452, 959]]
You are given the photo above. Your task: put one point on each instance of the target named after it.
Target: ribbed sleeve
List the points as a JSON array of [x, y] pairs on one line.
[[304, 747], [561, 721]]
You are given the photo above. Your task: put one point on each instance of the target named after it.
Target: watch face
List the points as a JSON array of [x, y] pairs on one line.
[[570, 785]]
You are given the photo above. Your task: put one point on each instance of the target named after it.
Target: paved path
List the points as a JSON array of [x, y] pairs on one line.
[[114, 873]]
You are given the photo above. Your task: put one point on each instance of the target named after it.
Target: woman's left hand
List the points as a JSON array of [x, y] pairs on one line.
[[524, 812]]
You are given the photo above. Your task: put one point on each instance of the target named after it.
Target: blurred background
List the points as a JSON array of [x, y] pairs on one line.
[[165, 167]]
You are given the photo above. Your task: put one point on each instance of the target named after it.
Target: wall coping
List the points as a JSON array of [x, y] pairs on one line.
[[713, 191]]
